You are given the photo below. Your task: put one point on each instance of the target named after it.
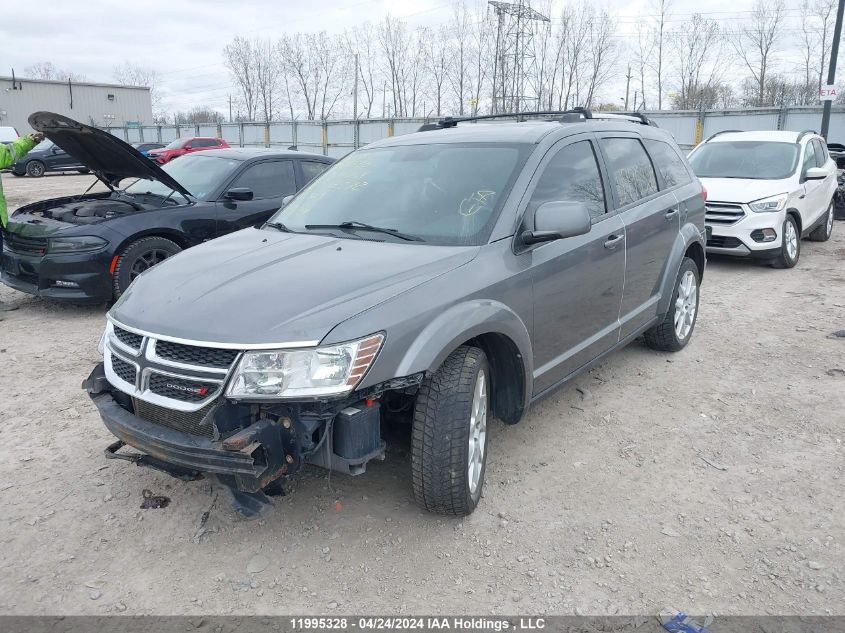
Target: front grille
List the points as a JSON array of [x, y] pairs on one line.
[[125, 371], [184, 422], [180, 388], [194, 355], [723, 213], [130, 339], [722, 241], [25, 245]]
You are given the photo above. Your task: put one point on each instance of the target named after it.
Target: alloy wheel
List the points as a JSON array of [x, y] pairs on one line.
[[791, 238], [477, 432], [686, 305], [146, 261]]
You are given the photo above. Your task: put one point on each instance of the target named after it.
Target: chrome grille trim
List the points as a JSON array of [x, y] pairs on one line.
[[723, 213]]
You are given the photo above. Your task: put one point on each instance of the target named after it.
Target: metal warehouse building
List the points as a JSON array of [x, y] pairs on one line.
[[98, 104]]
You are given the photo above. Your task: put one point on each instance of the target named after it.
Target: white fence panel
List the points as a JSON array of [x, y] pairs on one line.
[[744, 121], [281, 134], [231, 134], [208, 130]]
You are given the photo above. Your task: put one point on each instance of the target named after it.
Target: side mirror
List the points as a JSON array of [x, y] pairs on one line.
[[558, 220], [287, 199], [815, 173], [239, 193]]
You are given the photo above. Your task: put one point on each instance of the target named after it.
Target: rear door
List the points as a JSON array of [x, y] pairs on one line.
[[59, 160], [652, 220], [577, 282], [270, 181]]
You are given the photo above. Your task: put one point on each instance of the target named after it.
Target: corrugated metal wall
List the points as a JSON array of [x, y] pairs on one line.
[[87, 103]]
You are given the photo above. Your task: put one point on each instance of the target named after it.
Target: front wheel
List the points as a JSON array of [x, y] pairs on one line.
[[824, 230], [138, 257], [790, 251], [675, 330], [449, 440]]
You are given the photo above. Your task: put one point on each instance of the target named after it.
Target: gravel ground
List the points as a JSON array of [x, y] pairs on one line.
[[708, 480]]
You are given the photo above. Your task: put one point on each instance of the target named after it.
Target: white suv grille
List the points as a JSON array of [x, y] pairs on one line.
[[723, 213]]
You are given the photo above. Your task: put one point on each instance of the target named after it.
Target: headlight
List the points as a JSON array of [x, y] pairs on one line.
[[773, 204], [81, 244], [307, 373]]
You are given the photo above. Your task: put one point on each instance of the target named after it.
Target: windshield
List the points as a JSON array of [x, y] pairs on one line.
[[757, 160], [45, 144], [201, 175], [443, 193], [175, 144]]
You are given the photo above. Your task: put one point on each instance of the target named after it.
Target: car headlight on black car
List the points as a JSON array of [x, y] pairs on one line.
[[80, 244], [330, 370]]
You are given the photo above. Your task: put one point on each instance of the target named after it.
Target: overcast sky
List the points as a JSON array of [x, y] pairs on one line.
[[182, 39]]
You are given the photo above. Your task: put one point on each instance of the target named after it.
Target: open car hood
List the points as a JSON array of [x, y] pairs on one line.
[[104, 154]]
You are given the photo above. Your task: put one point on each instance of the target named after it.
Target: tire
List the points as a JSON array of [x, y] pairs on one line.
[[789, 254], [14, 173], [35, 168], [823, 231], [444, 427], [138, 257], [675, 330]]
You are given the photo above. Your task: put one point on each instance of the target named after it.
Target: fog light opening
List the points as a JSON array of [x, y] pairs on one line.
[[764, 235]]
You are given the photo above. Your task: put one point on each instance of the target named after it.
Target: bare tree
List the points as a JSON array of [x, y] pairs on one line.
[[694, 51], [129, 74], [361, 41], [436, 56], [603, 53], [756, 42], [199, 115], [393, 38], [239, 58], [48, 71], [268, 76], [659, 36], [460, 56]]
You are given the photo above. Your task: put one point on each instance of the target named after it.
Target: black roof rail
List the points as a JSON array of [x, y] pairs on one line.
[[804, 133], [712, 136], [572, 115]]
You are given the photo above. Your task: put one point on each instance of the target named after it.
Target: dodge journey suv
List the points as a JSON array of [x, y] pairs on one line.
[[765, 191], [439, 279]]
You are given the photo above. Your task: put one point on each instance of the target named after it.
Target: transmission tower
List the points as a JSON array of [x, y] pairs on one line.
[[515, 57]]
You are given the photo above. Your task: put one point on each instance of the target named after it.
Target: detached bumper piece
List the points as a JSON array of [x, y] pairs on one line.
[[253, 457]]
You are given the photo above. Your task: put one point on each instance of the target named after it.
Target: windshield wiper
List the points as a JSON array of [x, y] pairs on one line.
[[278, 226], [354, 224]]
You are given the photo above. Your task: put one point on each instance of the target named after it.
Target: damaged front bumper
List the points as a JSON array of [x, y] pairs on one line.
[[262, 445]]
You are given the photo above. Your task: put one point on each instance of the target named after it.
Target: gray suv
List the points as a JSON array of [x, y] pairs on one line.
[[436, 280]]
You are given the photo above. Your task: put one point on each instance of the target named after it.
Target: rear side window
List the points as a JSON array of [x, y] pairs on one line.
[[672, 170], [572, 176], [630, 169], [269, 179], [205, 143], [311, 169]]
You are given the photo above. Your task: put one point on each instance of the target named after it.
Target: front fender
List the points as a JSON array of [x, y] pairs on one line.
[[688, 235]]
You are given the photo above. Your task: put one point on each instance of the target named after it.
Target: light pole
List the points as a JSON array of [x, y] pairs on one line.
[[831, 73]]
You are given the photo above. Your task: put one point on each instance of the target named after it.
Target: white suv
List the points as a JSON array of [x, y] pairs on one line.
[[765, 191]]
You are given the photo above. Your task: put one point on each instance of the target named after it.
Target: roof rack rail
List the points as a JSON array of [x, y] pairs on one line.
[[804, 133], [712, 136], [564, 116]]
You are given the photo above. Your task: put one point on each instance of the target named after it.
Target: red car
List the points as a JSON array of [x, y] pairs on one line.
[[184, 146]]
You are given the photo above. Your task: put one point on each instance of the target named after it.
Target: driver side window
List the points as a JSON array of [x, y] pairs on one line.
[[270, 179], [572, 176]]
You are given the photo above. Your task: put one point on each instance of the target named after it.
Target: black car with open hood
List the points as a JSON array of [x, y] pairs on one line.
[[89, 247]]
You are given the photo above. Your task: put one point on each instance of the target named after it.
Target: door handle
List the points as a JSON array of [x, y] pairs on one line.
[[613, 241], [671, 213]]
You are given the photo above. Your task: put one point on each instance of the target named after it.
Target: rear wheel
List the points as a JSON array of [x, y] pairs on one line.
[[449, 441], [138, 257], [35, 168], [791, 249], [823, 231], [675, 330]]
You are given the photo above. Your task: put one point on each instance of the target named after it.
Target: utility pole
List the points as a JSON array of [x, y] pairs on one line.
[[831, 73], [355, 92], [628, 88], [230, 108]]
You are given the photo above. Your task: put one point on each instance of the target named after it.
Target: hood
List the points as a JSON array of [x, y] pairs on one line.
[[260, 287], [104, 154], [744, 190]]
